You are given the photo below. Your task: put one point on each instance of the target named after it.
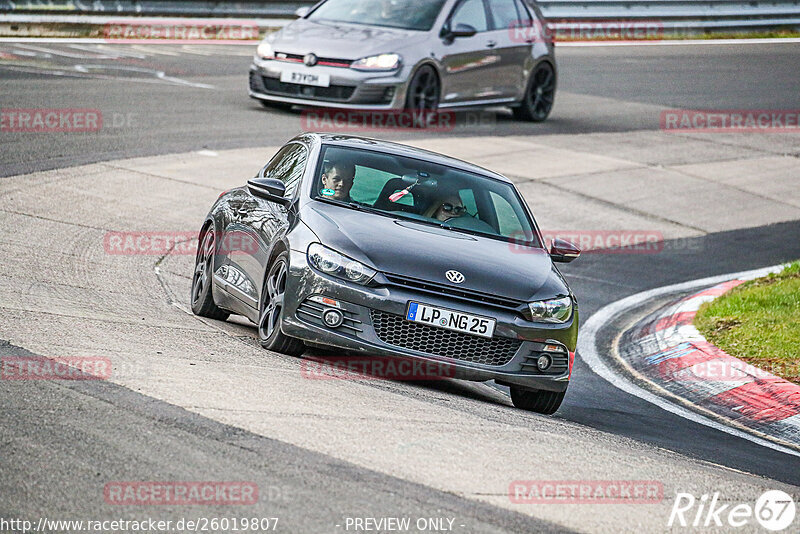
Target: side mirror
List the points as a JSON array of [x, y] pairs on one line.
[[563, 251], [270, 189], [463, 30], [301, 12]]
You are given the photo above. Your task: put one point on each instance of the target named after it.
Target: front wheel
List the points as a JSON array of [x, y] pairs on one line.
[[544, 402], [539, 95], [422, 99], [271, 311]]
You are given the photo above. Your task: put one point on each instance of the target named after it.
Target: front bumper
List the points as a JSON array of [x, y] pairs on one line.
[[508, 358], [349, 89]]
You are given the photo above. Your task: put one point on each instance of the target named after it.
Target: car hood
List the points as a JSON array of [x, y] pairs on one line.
[[427, 252], [340, 40]]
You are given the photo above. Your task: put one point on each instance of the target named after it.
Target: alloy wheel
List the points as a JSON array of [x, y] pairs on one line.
[[273, 304]]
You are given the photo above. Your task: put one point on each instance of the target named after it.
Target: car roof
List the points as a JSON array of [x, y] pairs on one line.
[[398, 149]]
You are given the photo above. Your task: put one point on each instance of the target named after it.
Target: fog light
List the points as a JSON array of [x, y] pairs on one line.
[[332, 318], [544, 361]]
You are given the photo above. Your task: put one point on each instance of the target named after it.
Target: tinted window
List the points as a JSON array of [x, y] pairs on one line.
[[406, 14], [524, 16], [504, 14], [288, 166], [470, 12]]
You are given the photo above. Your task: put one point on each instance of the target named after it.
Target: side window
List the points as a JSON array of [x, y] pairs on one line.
[[288, 167], [470, 12], [525, 20], [468, 198], [504, 14], [507, 220], [368, 184]]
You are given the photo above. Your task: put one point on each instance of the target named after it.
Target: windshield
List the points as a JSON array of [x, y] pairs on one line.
[[413, 189], [405, 14]]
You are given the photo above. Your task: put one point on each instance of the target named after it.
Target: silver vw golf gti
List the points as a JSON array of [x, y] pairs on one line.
[[413, 55]]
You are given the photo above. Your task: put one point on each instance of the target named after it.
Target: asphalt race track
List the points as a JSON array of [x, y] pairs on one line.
[[204, 402]]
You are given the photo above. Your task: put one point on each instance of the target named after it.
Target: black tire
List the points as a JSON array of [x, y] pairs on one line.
[[202, 297], [270, 311], [540, 95], [422, 98], [544, 402]]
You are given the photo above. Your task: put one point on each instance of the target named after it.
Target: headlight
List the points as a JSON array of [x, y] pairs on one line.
[[551, 311], [331, 262], [265, 51], [380, 62]]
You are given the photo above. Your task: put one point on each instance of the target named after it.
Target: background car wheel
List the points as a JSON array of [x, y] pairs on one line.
[[540, 96], [202, 298], [422, 99], [544, 402], [271, 311]]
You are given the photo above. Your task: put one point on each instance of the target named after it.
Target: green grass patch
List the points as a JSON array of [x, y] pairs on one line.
[[759, 322]]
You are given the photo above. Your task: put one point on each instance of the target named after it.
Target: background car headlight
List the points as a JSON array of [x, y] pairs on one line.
[[380, 62], [331, 262], [265, 51], [551, 311]]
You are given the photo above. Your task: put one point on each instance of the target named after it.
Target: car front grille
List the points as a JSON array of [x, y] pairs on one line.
[[323, 61], [474, 297], [334, 93], [395, 330]]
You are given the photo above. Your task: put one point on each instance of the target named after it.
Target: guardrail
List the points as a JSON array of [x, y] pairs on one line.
[[676, 15]]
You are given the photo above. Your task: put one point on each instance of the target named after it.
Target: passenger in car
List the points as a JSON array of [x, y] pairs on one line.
[[446, 208]]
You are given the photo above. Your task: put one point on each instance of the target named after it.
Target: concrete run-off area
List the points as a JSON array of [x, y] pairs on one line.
[[132, 309]]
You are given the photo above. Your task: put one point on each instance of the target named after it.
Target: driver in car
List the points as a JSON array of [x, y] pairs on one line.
[[337, 181], [447, 208]]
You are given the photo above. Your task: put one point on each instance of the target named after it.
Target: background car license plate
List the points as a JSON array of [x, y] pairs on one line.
[[305, 78], [450, 319]]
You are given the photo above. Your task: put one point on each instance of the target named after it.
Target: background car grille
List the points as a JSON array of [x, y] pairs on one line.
[[332, 93], [395, 330], [323, 61]]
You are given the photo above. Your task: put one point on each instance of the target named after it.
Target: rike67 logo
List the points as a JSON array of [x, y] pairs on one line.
[[774, 510]]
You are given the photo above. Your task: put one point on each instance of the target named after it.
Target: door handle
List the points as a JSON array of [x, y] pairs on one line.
[[491, 44]]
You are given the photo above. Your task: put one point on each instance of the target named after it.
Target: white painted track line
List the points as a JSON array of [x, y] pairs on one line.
[[587, 348]]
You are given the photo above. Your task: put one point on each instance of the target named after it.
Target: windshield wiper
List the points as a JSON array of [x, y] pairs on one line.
[[369, 209], [355, 206]]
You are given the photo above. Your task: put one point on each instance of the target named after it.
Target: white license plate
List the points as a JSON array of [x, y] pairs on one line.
[[305, 78], [450, 319]]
